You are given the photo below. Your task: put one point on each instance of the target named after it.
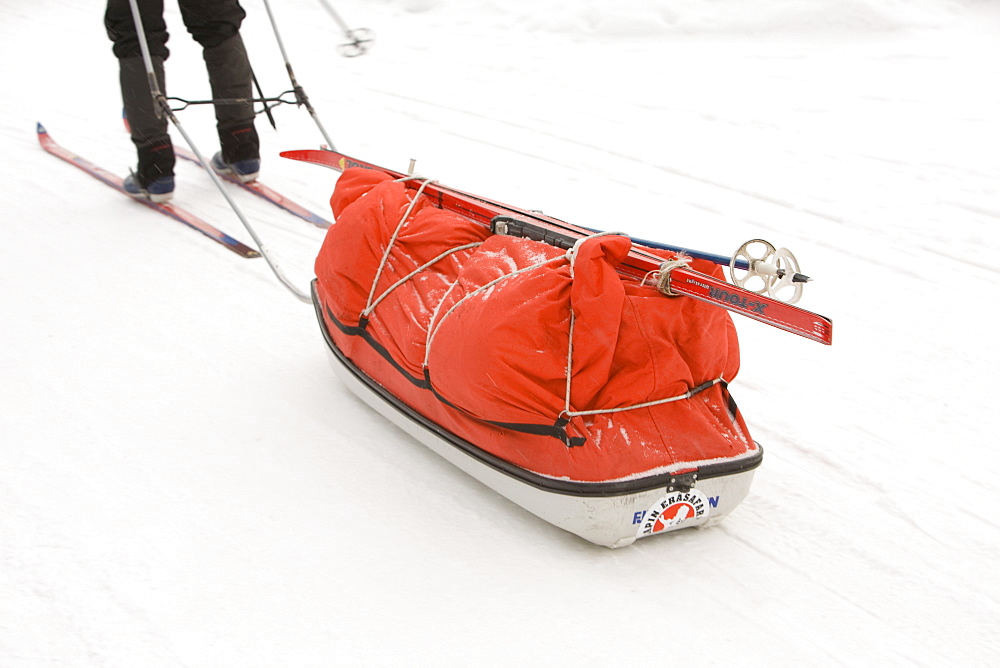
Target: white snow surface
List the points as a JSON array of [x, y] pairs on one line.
[[183, 482]]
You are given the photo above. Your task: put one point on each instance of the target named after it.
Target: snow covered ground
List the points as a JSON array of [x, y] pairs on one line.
[[184, 483]]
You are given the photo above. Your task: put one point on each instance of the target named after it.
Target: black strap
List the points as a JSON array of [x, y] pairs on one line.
[[556, 430]]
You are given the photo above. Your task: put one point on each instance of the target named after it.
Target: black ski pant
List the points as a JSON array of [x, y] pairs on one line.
[[215, 25]]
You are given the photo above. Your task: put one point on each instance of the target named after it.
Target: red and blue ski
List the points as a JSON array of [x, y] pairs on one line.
[[171, 210]]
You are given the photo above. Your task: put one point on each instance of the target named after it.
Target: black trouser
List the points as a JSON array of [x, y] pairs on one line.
[[215, 25]]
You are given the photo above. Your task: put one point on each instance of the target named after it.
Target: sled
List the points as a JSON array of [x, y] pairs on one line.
[[613, 514], [528, 366]]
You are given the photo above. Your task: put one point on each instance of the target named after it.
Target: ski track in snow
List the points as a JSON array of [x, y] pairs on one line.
[[183, 482]]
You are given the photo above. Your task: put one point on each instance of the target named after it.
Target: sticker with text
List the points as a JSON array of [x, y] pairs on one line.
[[673, 511]]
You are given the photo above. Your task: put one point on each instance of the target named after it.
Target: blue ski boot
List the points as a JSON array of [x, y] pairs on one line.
[[245, 170], [159, 190]]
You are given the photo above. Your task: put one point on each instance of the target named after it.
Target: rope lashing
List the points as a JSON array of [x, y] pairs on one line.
[[392, 242], [661, 277]]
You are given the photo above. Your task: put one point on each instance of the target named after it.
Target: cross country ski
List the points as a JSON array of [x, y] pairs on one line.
[[171, 210]]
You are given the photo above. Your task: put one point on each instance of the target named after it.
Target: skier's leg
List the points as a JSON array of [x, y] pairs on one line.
[[215, 25], [231, 79], [120, 25], [149, 132]]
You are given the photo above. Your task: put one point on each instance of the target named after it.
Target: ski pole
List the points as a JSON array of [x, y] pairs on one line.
[[300, 94], [358, 38], [700, 255], [267, 109], [336, 17]]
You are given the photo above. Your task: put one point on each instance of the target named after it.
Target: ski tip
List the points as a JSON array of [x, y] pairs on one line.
[[40, 129], [323, 157]]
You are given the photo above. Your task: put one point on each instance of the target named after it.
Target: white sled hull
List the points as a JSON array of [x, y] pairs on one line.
[[608, 519]]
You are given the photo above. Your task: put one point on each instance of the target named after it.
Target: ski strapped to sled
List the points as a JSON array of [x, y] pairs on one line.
[[675, 278], [171, 210]]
